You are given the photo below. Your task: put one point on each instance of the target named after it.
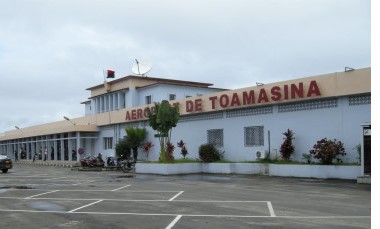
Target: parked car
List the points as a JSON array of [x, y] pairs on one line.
[[5, 163]]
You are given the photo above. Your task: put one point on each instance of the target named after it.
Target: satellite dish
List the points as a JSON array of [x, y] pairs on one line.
[[140, 68]]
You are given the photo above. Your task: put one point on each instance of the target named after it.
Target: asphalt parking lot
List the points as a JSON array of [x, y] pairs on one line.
[[57, 197]]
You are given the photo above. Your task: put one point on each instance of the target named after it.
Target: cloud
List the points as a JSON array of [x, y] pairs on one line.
[[50, 51]]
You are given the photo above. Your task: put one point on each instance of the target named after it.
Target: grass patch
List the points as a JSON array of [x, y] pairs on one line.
[[176, 161], [268, 161], [186, 160]]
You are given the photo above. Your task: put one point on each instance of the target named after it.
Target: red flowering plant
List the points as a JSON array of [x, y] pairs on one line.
[[169, 152], [287, 147], [181, 144], [146, 147], [328, 150]]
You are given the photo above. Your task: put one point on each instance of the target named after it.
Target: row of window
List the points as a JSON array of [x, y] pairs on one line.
[[148, 98], [110, 102], [253, 136]]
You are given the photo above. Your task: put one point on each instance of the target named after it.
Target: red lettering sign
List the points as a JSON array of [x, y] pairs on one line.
[[313, 89], [248, 98], [213, 99], [139, 114], [224, 100], [276, 93], [127, 116], [294, 90], [263, 96], [189, 106], [198, 105], [235, 100]]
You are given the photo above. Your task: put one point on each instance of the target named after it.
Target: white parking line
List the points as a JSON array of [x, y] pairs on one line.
[[171, 199], [84, 182], [174, 222], [85, 206], [188, 215], [55, 178], [41, 194], [271, 211], [120, 188]]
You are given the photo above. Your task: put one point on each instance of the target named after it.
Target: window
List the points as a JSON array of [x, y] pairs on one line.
[[122, 100], [254, 136], [171, 96], [108, 143], [215, 137], [148, 99]]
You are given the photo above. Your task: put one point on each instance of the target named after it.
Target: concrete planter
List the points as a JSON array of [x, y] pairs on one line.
[[168, 169], [224, 168], [233, 168], [310, 171], [315, 171]]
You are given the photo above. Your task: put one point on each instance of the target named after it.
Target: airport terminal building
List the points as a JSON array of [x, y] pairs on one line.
[[239, 122]]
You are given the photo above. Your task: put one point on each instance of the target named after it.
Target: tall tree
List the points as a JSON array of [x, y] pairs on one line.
[[162, 120]]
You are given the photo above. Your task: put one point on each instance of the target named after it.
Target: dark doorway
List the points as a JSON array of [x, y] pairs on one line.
[[367, 150], [367, 154]]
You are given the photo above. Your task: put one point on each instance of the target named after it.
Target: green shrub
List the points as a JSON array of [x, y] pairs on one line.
[[122, 148], [208, 153]]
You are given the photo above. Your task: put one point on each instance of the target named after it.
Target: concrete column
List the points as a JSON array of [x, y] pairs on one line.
[[78, 144], [70, 147], [9, 150], [27, 149], [33, 147], [62, 148], [55, 146], [39, 147], [99, 104], [48, 146]]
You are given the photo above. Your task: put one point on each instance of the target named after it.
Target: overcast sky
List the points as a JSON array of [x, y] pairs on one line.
[[51, 51]]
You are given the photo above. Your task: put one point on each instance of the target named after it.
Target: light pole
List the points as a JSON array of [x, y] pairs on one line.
[[16, 153], [19, 129], [67, 119]]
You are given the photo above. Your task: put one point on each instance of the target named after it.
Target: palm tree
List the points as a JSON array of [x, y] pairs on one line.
[[135, 138]]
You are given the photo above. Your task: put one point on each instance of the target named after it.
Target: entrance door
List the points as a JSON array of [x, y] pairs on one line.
[[367, 150]]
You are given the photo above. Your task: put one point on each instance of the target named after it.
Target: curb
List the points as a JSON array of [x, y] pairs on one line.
[[50, 163]]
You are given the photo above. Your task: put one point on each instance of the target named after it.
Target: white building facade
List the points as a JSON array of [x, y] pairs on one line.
[[239, 122]]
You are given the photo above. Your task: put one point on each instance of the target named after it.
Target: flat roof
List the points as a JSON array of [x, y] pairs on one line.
[[155, 80]]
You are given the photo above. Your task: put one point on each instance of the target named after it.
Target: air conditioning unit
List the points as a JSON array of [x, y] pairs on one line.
[[260, 154]]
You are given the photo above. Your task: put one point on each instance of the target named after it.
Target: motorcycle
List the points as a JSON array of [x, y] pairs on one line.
[[125, 164], [114, 162], [92, 161], [128, 165]]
